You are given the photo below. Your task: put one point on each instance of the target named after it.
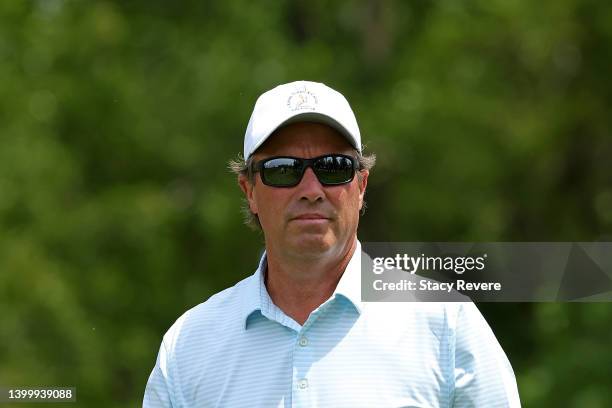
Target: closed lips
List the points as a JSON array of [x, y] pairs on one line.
[[311, 217]]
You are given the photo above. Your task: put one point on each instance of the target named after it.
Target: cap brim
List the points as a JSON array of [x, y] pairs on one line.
[[315, 117]]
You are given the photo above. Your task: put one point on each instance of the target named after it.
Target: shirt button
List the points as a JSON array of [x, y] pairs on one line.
[[303, 384], [303, 342]]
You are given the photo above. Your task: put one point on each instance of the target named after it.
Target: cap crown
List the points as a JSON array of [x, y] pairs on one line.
[[300, 101]]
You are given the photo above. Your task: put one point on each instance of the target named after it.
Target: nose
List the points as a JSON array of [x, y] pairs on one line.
[[310, 187]]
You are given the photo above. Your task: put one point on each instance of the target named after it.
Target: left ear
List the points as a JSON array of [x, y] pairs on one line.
[[362, 182]]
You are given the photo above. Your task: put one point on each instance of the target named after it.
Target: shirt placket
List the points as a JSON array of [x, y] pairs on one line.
[[303, 385], [301, 390]]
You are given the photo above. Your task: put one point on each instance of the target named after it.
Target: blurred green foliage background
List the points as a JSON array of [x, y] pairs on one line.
[[491, 120]]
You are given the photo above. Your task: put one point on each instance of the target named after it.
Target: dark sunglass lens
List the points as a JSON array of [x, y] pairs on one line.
[[334, 169], [281, 172]]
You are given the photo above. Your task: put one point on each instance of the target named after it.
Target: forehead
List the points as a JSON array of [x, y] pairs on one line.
[[304, 139]]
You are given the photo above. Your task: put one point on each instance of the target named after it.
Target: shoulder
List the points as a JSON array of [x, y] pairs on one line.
[[206, 320], [439, 318]]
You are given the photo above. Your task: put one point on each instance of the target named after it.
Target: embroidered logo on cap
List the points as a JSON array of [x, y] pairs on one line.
[[302, 99]]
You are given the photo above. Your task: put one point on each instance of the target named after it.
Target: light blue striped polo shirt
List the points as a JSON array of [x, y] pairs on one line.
[[238, 349]]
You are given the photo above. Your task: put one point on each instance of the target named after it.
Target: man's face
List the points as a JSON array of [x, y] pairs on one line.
[[309, 220]]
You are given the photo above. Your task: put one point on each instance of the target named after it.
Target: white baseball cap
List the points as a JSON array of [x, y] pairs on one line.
[[300, 101]]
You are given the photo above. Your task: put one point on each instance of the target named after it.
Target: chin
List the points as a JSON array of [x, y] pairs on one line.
[[312, 244]]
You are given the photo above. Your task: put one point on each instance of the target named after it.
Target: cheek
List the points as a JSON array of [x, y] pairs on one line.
[[348, 203], [271, 207]]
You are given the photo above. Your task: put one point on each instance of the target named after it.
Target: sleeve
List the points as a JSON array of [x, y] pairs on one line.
[[158, 390], [482, 373]]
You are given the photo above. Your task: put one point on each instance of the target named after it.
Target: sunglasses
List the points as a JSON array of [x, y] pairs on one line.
[[284, 171]]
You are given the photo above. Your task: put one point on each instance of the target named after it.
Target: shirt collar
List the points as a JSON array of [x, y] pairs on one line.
[[256, 297], [251, 296], [349, 285]]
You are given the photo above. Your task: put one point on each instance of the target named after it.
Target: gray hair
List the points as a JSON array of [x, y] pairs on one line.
[[244, 168]]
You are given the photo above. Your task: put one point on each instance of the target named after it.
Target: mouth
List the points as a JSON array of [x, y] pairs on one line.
[[311, 218]]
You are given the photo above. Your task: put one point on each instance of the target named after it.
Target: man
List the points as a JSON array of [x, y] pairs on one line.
[[296, 333]]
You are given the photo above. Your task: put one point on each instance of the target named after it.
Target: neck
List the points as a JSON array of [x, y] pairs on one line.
[[299, 286]]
